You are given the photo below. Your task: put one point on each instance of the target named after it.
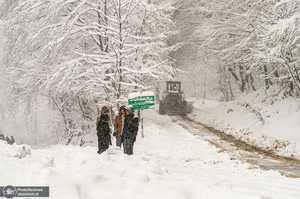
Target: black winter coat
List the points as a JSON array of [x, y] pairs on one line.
[[103, 135], [131, 127]]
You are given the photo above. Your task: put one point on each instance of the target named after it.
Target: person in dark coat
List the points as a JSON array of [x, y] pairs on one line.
[[130, 129], [12, 140], [104, 109], [103, 133], [7, 140]]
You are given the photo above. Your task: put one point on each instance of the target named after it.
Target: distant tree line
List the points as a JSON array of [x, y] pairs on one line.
[[253, 43]]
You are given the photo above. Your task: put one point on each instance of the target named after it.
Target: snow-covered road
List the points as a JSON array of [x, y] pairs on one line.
[[239, 149], [168, 163]]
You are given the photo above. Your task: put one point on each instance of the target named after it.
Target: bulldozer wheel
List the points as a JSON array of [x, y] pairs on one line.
[[161, 109]]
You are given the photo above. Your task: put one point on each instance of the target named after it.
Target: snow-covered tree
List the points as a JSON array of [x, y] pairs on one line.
[[201, 76], [242, 37], [83, 54], [281, 44]]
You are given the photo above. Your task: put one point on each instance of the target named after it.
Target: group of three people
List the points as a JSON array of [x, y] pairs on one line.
[[125, 129]]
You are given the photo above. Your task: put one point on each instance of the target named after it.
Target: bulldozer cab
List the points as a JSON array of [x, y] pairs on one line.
[[173, 87]]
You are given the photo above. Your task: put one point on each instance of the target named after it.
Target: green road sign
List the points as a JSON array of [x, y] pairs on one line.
[[142, 102]]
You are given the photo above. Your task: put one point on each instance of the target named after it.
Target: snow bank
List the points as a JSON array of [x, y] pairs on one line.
[[137, 94], [267, 120]]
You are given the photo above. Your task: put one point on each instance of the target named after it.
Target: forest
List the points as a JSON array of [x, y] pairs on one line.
[[62, 60]]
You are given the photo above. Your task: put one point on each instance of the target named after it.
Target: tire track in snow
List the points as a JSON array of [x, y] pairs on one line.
[[287, 166]]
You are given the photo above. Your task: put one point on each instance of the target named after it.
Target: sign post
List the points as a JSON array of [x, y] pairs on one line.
[[142, 118], [141, 101]]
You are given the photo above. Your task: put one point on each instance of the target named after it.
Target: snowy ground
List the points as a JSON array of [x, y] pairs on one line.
[[264, 119], [169, 163]]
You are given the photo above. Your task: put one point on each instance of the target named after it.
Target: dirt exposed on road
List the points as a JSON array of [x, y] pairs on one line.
[[254, 155]]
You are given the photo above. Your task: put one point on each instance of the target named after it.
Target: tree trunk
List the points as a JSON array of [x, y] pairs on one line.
[[266, 77], [251, 82], [294, 76], [243, 80], [233, 74]]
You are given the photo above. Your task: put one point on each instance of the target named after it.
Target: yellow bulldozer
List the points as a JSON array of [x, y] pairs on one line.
[[173, 102]]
